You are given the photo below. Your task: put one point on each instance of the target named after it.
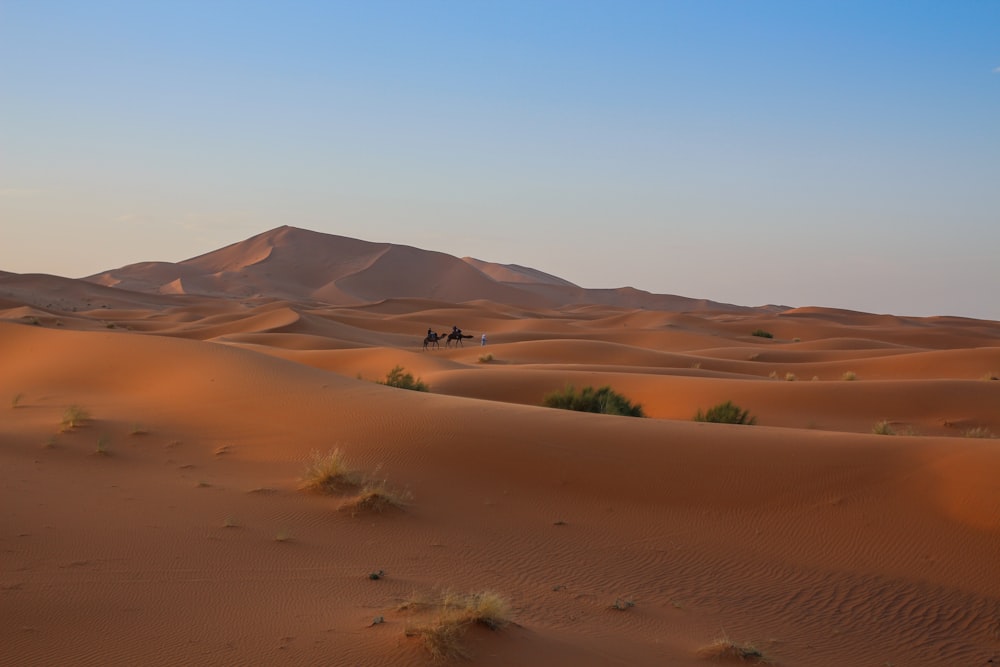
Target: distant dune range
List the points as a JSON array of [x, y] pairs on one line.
[[168, 526]]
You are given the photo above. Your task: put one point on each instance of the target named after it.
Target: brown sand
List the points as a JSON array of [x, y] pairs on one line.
[[187, 540]]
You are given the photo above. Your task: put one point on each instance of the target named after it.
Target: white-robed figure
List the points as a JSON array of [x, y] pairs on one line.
[[482, 341]]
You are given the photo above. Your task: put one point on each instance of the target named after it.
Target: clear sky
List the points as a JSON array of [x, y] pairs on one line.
[[840, 153]]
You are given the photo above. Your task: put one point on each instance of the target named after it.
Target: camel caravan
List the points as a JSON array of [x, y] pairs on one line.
[[433, 338]]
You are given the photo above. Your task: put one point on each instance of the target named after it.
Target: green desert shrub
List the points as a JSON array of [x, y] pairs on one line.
[[400, 379], [761, 333], [602, 401], [725, 413]]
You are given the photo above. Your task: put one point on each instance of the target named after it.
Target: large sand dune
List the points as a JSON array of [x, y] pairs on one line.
[[168, 527]]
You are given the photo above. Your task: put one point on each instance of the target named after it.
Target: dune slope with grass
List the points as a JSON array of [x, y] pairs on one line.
[[178, 518]]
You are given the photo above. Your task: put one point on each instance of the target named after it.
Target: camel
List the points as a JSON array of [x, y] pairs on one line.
[[432, 339], [457, 337]]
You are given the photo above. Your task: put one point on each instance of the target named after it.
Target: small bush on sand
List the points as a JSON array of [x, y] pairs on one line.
[[725, 413], [454, 613], [622, 604], [725, 649], [849, 376], [329, 473], [400, 379], [485, 358], [883, 428], [602, 401], [978, 432], [760, 333], [376, 496], [104, 445], [74, 416]]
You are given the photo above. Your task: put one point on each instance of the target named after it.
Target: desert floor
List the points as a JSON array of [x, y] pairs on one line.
[[169, 527]]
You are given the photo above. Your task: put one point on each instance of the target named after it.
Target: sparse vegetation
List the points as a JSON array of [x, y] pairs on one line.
[[850, 376], [790, 377], [74, 416], [725, 413], [16, 399], [622, 604], [725, 649], [329, 473], [376, 496], [602, 401], [400, 379], [454, 613], [760, 333], [485, 358], [283, 536], [978, 432], [104, 445], [991, 376], [883, 427]]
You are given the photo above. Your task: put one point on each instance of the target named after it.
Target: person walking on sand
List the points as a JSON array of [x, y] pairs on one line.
[[482, 341]]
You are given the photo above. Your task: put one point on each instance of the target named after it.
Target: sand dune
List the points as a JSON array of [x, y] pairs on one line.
[[168, 527]]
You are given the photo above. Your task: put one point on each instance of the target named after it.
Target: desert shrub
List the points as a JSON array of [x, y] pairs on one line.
[[602, 401], [485, 358], [883, 428], [790, 377], [622, 604], [978, 432], [727, 650], [442, 637], [328, 473], [400, 379], [725, 413], [849, 376], [74, 416], [760, 333], [376, 496]]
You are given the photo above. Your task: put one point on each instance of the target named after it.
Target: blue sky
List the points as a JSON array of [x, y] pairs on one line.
[[842, 154]]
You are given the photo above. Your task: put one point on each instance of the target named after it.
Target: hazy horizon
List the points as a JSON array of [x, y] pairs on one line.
[[832, 154]]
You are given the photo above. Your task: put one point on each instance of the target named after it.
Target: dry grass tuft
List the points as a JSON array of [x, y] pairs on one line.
[[978, 432], [377, 496], [725, 649], [74, 416], [442, 639], [442, 636], [485, 358], [849, 376], [883, 428], [329, 473]]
